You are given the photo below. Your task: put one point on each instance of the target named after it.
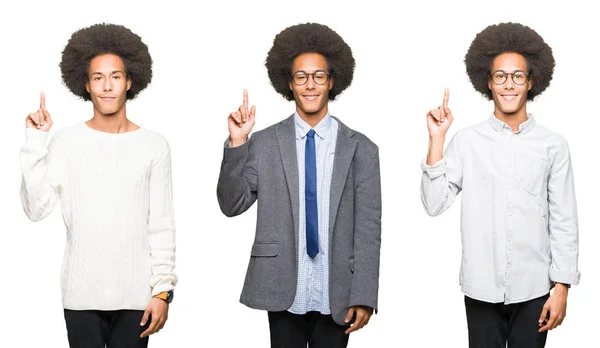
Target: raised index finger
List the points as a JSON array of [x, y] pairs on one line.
[[246, 99], [42, 101], [446, 92]]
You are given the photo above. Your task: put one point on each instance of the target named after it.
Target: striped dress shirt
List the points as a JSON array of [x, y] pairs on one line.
[[312, 291]]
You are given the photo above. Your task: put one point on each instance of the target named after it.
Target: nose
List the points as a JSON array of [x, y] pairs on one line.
[[509, 83], [107, 86], [310, 83]]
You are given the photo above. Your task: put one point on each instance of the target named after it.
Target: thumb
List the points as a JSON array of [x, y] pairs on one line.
[[252, 112], [349, 315], [145, 317]]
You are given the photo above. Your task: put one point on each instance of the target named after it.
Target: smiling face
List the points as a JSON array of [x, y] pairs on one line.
[[108, 85], [510, 99], [311, 98]]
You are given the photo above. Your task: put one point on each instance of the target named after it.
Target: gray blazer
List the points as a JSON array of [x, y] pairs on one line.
[[265, 169]]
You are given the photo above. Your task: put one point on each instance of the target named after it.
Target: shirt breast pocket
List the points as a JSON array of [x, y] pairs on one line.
[[533, 177]]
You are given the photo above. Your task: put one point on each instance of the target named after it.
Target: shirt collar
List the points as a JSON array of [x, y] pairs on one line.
[[524, 127], [320, 129]]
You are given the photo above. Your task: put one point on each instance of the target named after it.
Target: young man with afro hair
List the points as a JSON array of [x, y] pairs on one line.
[[314, 264], [113, 179], [519, 215]]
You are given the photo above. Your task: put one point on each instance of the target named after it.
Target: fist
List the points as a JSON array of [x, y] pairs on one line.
[[240, 123], [440, 119], [40, 119]]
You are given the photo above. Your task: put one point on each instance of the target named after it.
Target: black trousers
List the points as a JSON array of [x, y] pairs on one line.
[[492, 325], [289, 330], [100, 329]]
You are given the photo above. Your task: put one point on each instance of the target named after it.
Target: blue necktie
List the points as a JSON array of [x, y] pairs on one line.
[[310, 196]]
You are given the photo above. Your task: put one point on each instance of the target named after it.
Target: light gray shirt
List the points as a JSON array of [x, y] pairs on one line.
[[312, 289], [519, 213]]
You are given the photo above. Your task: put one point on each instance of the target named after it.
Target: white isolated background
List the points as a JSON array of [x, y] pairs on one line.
[[204, 55]]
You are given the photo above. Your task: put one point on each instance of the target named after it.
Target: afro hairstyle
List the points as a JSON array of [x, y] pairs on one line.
[[88, 43], [309, 38], [515, 38]]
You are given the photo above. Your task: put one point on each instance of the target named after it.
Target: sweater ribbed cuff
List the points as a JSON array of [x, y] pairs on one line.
[[36, 138]]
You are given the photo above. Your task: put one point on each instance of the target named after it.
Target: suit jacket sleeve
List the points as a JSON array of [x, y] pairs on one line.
[[367, 234], [238, 181]]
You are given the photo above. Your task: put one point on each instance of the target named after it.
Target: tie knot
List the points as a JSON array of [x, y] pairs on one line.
[[311, 133]]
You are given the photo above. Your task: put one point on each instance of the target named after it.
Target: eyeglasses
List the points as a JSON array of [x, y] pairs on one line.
[[320, 77], [519, 77]]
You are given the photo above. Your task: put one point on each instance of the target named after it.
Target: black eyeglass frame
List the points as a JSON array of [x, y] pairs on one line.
[[512, 76], [310, 75]]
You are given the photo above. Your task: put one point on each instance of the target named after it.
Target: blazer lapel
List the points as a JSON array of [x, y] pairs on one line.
[[286, 138], [344, 152]]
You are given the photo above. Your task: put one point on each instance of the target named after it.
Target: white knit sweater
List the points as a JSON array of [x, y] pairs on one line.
[[116, 199]]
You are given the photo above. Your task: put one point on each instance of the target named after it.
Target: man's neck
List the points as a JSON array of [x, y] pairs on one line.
[[512, 120], [117, 123], [312, 119]]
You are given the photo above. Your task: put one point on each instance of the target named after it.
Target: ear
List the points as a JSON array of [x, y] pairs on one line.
[[128, 83], [330, 83], [290, 86], [87, 87], [529, 84], [490, 84]]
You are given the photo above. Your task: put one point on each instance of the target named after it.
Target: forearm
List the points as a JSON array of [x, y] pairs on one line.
[[38, 194], [236, 188], [562, 220], [162, 258], [441, 180], [437, 192], [367, 237], [161, 225], [564, 247], [436, 149], [365, 280]]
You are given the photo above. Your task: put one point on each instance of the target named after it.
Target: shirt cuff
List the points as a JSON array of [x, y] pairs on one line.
[[571, 278], [435, 170]]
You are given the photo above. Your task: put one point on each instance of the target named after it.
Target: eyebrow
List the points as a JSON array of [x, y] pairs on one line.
[[111, 73], [318, 70]]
